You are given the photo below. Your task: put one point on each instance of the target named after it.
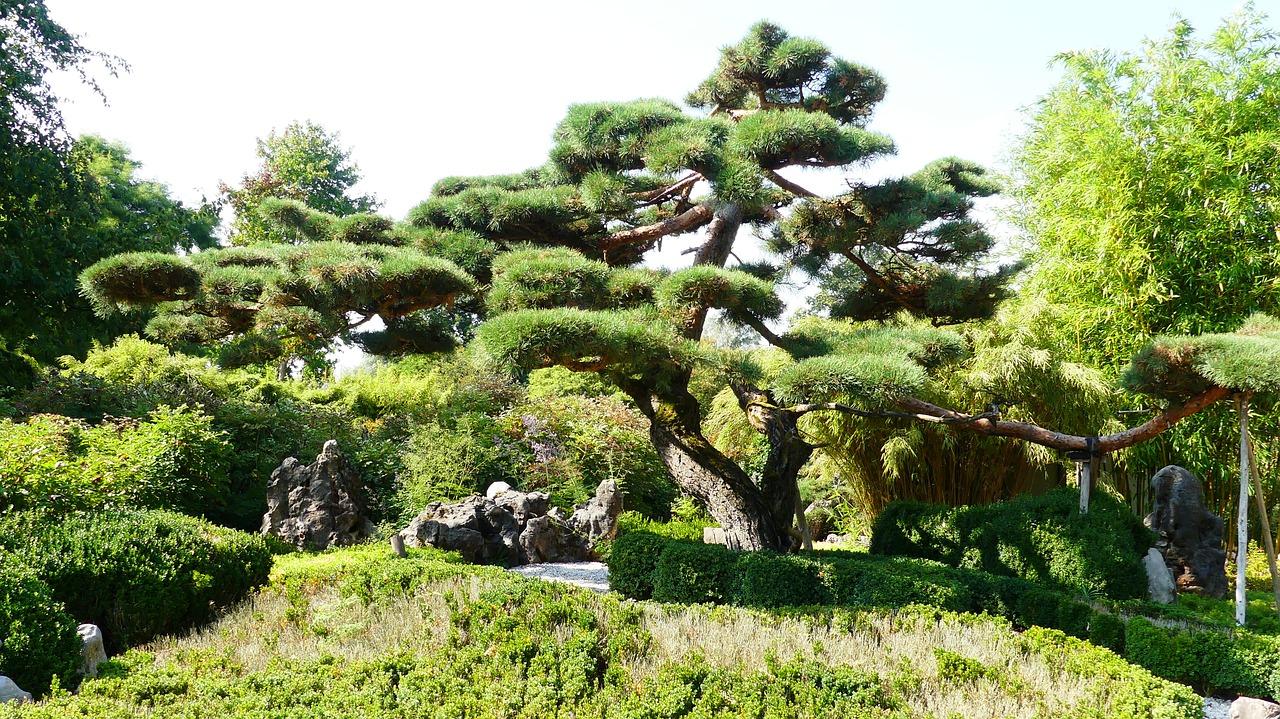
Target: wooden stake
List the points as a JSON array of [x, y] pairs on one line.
[[1242, 516], [1267, 544]]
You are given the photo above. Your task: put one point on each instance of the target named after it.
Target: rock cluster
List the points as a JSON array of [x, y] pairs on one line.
[[510, 527], [1190, 535], [318, 505]]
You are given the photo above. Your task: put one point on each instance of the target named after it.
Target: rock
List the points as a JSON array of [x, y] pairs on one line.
[[317, 505], [597, 520], [1190, 536], [1160, 586], [497, 488], [1250, 708], [10, 692], [94, 651], [510, 527]]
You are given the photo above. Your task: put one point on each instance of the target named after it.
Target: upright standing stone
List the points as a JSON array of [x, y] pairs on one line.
[[1160, 586], [1190, 535], [318, 505], [94, 652]]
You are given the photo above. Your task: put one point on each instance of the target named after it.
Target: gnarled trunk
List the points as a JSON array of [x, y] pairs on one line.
[[749, 517]]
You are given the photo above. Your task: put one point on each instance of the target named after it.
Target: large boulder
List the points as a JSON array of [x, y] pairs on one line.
[[1250, 708], [317, 505], [1190, 535], [10, 692], [510, 527]]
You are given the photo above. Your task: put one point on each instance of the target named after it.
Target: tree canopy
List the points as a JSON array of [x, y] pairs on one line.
[[306, 163], [548, 258]]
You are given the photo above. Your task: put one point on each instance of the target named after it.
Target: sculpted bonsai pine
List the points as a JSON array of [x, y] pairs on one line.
[[547, 261]]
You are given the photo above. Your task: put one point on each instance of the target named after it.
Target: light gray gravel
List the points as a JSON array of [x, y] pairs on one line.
[[1216, 708], [592, 575]]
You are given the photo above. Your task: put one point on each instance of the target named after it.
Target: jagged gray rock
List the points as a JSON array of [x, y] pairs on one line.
[[597, 520], [1160, 586], [1190, 536], [11, 692], [511, 527], [1250, 708], [94, 652], [318, 505]]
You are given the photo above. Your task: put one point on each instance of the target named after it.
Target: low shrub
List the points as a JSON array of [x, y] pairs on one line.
[[770, 580], [137, 573], [675, 570], [1042, 538], [38, 639], [632, 559], [691, 573]]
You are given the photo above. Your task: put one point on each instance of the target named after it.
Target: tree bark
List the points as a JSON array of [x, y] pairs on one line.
[[749, 518], [788, 451]]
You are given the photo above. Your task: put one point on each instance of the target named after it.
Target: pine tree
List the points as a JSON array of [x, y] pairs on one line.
[[548, 259]]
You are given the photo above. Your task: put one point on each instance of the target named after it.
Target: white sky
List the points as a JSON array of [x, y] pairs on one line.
[[423, 90]]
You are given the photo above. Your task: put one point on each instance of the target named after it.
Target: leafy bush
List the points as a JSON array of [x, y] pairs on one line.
[[770, 580], [632, 559], [1041, 538], [38, 639], [137, 573], [173, 459], [691, 572]]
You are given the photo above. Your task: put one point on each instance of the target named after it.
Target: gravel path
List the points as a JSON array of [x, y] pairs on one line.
[[592, 575], [1216, 708]]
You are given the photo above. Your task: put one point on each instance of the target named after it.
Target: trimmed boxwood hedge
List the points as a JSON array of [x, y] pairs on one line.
[[1041, 538], [1207, 658], [137, 574], [38, 639]]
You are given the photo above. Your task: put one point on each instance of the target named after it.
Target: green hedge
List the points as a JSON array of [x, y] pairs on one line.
[[1041, 538], [673, 570], [137, 573], [38, 639]]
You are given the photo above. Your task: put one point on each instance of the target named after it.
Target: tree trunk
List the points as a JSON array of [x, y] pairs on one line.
[[751, 520], [788, 451]]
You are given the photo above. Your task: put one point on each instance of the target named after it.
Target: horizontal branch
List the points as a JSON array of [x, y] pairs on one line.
[[655, 196], [649, 234], [788, 185], [880, 414], [1069, 442]]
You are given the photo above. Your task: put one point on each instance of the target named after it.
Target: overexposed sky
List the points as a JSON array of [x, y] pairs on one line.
[[422, 90]]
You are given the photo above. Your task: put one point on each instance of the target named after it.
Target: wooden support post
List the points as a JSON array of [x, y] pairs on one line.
[[397, 546], [1086, 472], [1242, 516], [1265, 524]]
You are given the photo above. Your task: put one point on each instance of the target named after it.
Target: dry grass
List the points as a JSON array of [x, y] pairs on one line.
[[274, 625]]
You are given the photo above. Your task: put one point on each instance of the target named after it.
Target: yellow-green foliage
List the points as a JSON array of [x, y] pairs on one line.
[[478, 642], [1174, 368]]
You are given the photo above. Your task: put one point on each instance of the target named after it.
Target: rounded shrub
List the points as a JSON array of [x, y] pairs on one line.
[[767, 579], [1041, 538], [38, 639], [632, 560], [138, 573], [691, 573], [1107, 630]]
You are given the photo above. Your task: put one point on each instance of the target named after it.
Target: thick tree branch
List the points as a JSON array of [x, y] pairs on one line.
[[788, 185], [1067, 442], [878, 280], [647, 235], [676, 188]]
